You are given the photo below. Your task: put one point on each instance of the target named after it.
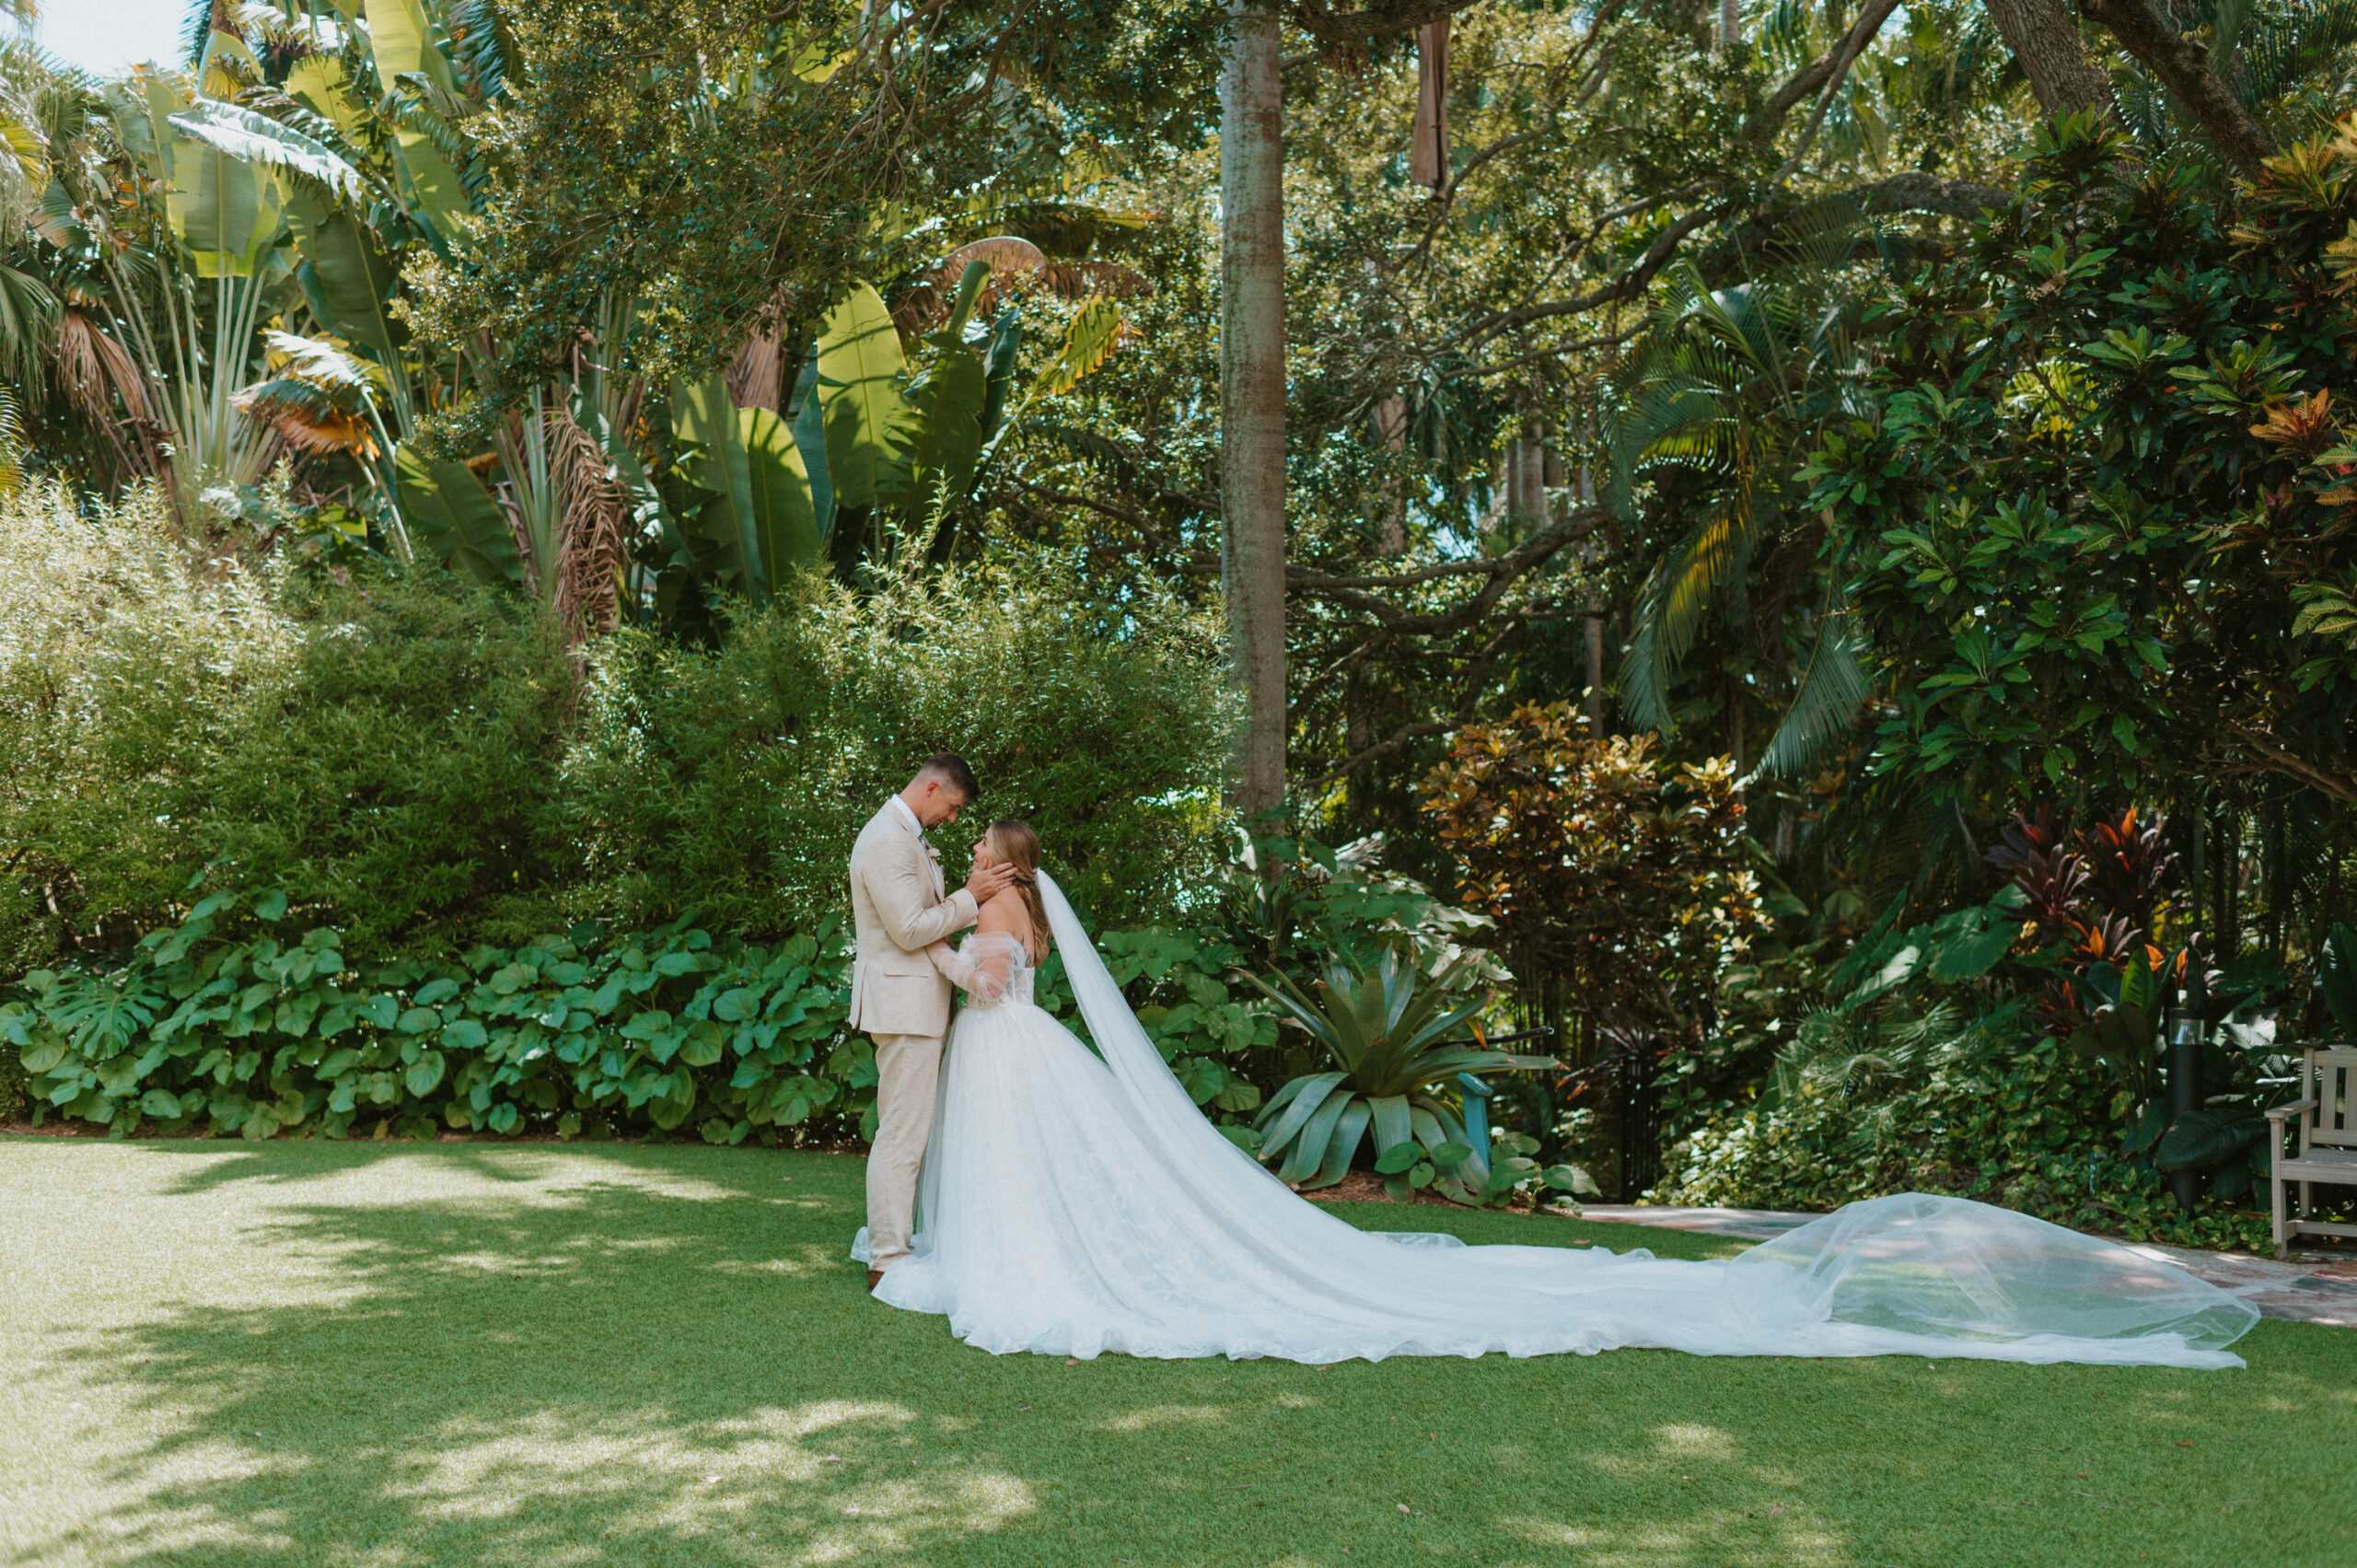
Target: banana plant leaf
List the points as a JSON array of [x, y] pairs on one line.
[[449, 509], [226, 212], [348, 278], [258, 140], [785, 518], [867, 419], [321, 84], [998, 370], [760, 519], [810, 435], [400, 42]]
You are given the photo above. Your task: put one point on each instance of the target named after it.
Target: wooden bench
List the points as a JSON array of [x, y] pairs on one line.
[[2327, 1124]]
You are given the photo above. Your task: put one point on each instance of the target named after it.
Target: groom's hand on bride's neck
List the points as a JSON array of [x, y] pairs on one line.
[[989, 881]]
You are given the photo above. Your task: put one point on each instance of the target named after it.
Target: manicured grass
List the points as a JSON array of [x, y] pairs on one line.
[[312, 1354]]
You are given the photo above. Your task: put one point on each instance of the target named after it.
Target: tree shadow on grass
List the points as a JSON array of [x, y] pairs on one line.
[[485, 1357], [477, 1354]]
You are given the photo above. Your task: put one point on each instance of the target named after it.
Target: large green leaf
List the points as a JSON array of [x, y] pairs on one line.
[[2210, 1136], [1972, 952], [860, 371], [1391, 1125], [2337, 977], [1309, 1148], [226, 211], [257, 139], [785, 521], [401, 42], [321, 84], [1342, 1143], [446, 505], [1293, 1105], [704, 419], [354, 278], [810, 435], [1006, 345], [948, 431]]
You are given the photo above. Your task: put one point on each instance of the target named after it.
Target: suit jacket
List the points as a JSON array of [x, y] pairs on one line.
[[897, 911]]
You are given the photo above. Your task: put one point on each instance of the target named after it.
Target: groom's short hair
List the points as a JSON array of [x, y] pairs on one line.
[[951, 770]]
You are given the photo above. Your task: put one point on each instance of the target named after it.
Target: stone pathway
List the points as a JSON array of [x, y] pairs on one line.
[[2313, 1289]]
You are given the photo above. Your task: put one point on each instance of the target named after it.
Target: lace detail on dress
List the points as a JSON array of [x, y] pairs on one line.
[[990, 967]]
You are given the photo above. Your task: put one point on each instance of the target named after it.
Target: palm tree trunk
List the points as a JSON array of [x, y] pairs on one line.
[[1252, 396]]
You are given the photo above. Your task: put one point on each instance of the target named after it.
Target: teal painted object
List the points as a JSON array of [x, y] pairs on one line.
[[1475, 1094]]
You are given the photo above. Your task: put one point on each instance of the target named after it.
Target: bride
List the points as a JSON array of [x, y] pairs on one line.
[[1071, 1205]]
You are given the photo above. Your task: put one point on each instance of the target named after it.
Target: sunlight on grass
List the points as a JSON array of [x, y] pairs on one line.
[[384, 1357]]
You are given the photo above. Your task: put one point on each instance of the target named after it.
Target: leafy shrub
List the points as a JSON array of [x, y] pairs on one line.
[[422, 765], [1395, 1041], [119, 669], [1610, 877], [240, 1021], [2040, 1131], [734, 781], [16, 1092], [389, 745]]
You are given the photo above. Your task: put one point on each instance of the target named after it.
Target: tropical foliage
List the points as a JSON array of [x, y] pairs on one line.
[[1398, 1038], [1825, 536]]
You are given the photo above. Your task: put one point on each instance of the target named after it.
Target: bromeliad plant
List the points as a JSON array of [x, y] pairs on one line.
[[1398, 1038]]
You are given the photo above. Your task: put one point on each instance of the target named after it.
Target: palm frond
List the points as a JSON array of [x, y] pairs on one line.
[[1831, 690], [1670, 610]]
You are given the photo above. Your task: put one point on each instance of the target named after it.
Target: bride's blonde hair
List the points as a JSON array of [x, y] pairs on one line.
[[1014, 844]]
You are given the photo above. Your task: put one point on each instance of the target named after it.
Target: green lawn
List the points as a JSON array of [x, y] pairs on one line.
[[300, 1352]]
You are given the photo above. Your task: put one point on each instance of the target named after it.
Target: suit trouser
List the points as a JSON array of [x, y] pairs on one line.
[[908, 1071]]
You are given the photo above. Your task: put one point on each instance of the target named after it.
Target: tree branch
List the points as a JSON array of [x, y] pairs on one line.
[[1314, 17], [1502, 571], [1869, 23], [2279, 760], [2183, 67]]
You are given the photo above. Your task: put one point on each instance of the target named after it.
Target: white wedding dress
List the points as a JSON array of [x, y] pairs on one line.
[[1071, 1205]]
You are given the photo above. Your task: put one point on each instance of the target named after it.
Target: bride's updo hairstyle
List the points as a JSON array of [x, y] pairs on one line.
[[1014, 844]]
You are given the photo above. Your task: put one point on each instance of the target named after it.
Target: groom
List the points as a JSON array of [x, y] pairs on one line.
[[896, 994]]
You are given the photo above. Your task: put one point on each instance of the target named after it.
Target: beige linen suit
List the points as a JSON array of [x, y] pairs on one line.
[[903, 1001]]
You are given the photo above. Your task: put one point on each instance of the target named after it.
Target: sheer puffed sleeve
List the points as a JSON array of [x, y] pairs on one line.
[[984, 969]]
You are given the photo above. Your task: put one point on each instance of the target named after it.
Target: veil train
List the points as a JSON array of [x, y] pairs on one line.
[[1072, 1209]]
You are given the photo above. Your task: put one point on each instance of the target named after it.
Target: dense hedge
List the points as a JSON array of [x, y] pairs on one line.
[[245, 1019], [733, 782], [2040, 1131], [424, 767]]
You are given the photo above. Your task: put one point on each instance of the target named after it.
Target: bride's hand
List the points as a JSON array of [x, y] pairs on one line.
[[989, 881]]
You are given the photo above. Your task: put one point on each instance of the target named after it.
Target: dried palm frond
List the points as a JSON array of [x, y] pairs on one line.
[[753, 377], [592, 549], [305, 418], [90, 366], [1018, 268], [318, 397]]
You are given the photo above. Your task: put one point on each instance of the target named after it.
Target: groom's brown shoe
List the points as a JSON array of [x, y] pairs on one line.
[[875, 1278]]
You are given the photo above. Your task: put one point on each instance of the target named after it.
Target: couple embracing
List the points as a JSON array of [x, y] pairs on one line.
[[1049, 1197]]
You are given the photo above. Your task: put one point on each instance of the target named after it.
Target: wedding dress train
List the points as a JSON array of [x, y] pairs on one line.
[[1071, 1205]]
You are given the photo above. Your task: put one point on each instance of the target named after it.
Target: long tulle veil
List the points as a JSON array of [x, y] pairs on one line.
[[1917, 1272], [1121, 1040]]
